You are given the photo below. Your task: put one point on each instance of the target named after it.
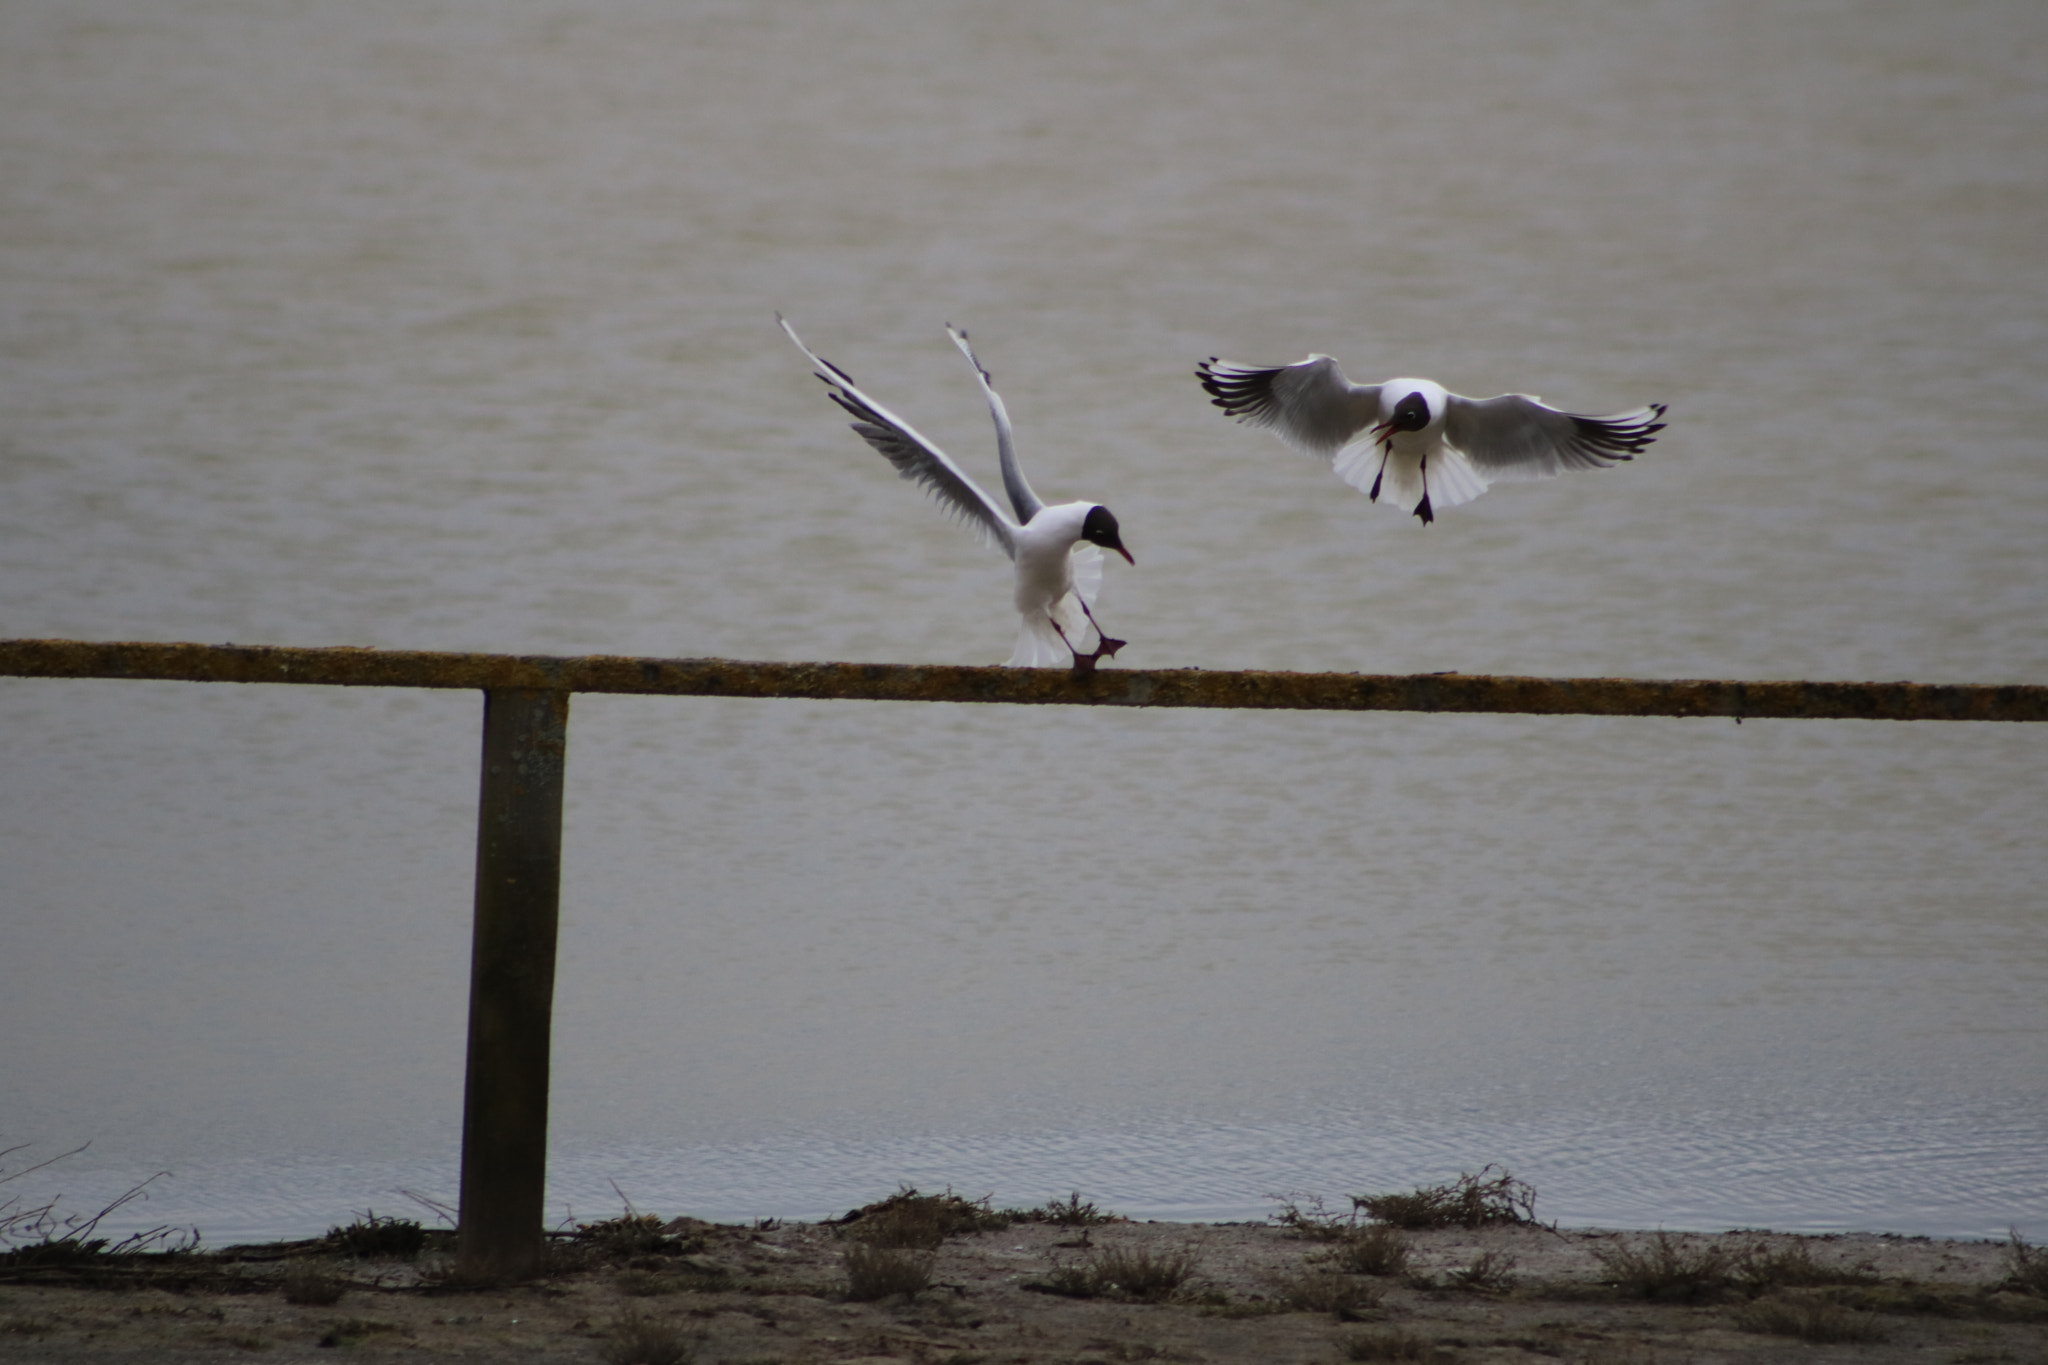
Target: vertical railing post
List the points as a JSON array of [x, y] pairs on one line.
[[512, 984]]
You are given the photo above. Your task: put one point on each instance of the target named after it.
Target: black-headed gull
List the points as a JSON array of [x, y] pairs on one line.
[[1059, 568], [1423, 446]]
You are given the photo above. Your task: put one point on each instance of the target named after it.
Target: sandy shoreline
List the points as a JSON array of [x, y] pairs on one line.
[[1253, 1292]]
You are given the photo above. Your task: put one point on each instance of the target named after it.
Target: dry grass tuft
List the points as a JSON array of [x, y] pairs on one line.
[[1666, 1269], [637, 1340], [1071, 1212], [630, 1234], [1810, 1320], [1306, 1217], [1491, 1272], [645, 1284], [1360, 1248], [1150, 1277], [1345, 1297], [1760, 1269], [1144, 1276], [1068, 1282], [876, 1272], [1470, 1201], [1392, 1346], [373, 1238], [1618, 1353], [309, 1286], [2026, 1267], [920, 1221], [637, 1240], [1379, 1250], [40, 1235], [353, 1330]]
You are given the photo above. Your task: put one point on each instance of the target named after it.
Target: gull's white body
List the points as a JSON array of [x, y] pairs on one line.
[[1058, 573], [1399, 469], [1055, 567], [1463, 446]]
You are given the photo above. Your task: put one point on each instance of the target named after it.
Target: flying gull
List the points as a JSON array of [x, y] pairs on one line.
[[1410, 438]]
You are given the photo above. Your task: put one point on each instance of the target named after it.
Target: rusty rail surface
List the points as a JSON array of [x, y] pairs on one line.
[[1180, 687]]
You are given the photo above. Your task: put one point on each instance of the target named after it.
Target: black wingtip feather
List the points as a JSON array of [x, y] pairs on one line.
[[1606, 439], [1244, 394]]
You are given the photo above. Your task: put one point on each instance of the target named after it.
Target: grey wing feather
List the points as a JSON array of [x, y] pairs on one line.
[[1310, 404], [1515, 436], [914, 458], [1022, 499]]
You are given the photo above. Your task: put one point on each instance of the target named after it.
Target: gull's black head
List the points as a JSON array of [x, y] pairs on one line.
[[1410, 414], [1099, 528]]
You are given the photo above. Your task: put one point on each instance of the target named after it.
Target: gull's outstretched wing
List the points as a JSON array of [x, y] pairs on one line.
[[1516, 437], [1022, 499], [1310, 404], [915, 458]]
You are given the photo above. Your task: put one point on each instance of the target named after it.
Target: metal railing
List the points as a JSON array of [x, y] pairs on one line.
[[519, 818]]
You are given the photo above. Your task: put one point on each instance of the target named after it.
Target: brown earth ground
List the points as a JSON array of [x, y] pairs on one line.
[[724, 1295]]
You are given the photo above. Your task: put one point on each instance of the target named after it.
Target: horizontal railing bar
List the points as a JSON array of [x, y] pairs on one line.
[[1174, 687]]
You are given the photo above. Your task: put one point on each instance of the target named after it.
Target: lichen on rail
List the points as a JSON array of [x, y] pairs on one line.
[[1170, 687]]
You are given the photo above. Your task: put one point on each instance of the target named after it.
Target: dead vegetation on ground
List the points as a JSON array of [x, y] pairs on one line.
[[945, 1280]]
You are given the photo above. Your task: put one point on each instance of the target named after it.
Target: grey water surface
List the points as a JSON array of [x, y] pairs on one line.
[[450, 325]]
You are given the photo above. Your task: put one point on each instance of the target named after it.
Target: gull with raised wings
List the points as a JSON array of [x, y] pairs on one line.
[[1423, 446], [1059, 567]]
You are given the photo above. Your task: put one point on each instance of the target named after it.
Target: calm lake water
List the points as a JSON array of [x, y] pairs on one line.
[[450, 324]]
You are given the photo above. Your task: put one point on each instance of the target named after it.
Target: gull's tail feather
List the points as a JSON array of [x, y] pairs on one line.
[[1452, 479], [1038, 644]]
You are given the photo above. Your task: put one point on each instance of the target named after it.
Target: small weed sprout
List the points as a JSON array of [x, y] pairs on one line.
[[1666, 1269], [637, 1340], [876, 1272], [1813, 1320], [1470, 1201]]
